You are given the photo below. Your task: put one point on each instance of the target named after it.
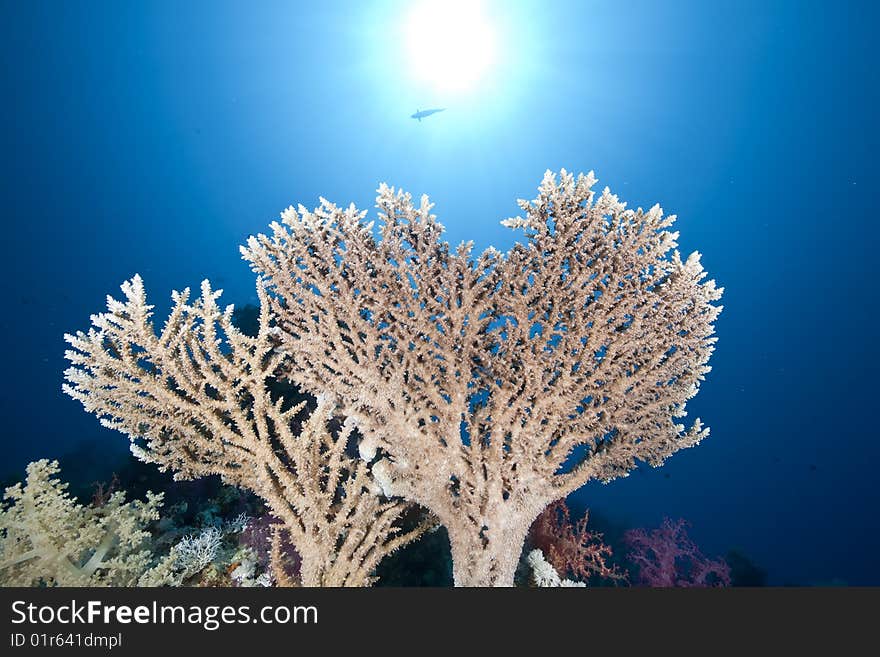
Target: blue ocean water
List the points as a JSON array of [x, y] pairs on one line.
[[155, 137]]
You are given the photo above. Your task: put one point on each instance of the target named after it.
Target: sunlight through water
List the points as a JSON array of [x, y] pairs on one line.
[[450, 44]]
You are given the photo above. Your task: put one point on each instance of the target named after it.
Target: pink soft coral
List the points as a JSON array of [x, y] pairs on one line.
[[668, 557]]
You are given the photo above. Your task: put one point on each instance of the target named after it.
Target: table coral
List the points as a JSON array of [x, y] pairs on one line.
[[489, 385]]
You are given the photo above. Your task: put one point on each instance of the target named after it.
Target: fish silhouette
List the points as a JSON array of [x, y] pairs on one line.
[[421, 114]]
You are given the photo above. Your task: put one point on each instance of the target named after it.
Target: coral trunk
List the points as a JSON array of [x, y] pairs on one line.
[[485, 557], [319, 574]]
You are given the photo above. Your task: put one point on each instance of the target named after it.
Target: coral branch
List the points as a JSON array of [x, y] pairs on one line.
[[195, 399], [488, 386]]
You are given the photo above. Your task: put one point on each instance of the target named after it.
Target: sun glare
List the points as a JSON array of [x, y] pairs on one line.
[[450, 44]]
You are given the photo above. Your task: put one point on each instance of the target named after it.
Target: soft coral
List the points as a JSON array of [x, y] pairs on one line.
[[572, 549], [668, 557]]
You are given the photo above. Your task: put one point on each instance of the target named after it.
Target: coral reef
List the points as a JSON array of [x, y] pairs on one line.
[[215, 555], [487, 386], [480, 387], [571, 548], [194, 399], [48, 539], [258, 536], [668, 557]]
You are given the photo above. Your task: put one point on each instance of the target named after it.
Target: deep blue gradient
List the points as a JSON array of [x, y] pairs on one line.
[[155, 137]]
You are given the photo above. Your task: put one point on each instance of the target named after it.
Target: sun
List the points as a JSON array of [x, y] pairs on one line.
[[450, 44]]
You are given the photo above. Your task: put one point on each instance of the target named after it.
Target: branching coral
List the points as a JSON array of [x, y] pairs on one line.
[[48, 539], [668, 557], [488, 386], [195, 399]]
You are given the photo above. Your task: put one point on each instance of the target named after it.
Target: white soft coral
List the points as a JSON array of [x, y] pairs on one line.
[[47, 538]]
